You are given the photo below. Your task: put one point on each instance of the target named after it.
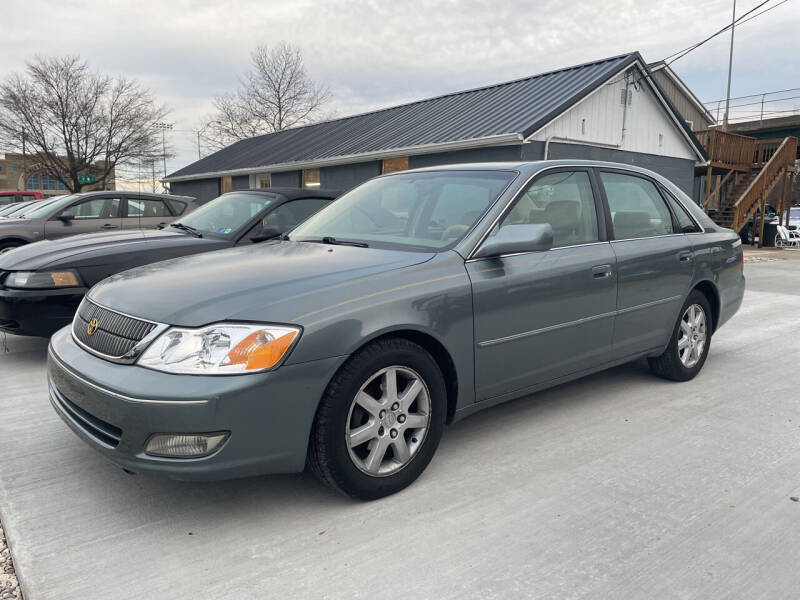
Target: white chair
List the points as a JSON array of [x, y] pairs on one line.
[[786, 238]]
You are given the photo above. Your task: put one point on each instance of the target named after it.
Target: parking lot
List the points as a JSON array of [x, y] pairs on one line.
[[619, 485]]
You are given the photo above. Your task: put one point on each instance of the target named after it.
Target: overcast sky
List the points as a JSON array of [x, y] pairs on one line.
[[378, 53]]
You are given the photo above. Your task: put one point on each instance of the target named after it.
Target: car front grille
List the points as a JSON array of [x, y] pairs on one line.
[[115, 334], [102, 431]]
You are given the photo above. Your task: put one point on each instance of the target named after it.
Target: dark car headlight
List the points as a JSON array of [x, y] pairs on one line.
[[25, 280]]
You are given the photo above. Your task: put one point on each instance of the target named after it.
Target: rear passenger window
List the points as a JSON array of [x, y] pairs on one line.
[[176, 205], [685, 222], [147, 208], [637, 209], [564, 200]]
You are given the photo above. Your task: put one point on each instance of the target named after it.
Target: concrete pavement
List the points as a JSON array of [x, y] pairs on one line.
[[620, 485]]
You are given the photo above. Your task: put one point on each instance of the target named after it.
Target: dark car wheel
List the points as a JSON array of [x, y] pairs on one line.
[[380, 420], [6, 246], [688, 348]]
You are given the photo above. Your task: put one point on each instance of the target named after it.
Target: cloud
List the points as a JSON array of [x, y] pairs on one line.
[[378, 53]]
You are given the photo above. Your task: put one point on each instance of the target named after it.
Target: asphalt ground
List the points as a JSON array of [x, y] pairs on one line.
[[619, 485]]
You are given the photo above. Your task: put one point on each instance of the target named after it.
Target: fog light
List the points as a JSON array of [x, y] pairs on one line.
[[185, 445]]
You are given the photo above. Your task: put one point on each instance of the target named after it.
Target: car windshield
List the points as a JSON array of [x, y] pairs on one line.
[[39, 211], [226, 215], [426, 210]]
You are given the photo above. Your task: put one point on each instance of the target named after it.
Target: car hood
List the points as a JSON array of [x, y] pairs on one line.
[[260, 282], [90, 248]]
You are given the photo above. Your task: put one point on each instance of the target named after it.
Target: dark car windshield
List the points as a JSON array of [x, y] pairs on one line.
[[39, 211], [427, 210], [226, 215]]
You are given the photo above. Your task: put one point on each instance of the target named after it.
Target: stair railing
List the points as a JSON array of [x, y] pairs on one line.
[[781, 158]]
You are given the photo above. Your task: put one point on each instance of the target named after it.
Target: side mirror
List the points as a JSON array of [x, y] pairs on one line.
[[512, 239], [266, 234], [66, 217]]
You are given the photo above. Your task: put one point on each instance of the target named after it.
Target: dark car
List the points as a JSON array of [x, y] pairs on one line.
[[92, 212], [416, 299], [41, 284]]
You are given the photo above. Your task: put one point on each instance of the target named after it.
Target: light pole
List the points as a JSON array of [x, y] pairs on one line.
[[730, 69], [164, 127]]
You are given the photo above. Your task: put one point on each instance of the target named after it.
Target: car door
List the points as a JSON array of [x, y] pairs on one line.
[[89, 215], [146, 213], [286, 216], [539, 316], [655, 262]]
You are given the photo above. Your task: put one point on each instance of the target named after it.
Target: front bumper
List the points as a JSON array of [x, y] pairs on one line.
[[115, 408], [38, 312]]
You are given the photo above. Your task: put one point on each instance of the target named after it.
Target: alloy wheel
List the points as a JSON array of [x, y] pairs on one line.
[[388, 421], [692, 336]]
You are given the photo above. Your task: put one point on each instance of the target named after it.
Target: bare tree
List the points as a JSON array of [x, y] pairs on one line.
[[72, 121], [275, 94]]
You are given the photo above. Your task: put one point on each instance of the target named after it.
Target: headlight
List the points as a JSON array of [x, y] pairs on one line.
[[42, 280], [221, 349]]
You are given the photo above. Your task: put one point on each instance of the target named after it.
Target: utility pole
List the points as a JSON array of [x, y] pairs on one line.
[[24, 163], [730, 69]]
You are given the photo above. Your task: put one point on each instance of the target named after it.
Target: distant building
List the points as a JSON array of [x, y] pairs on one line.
[[685, 102], [608, 109], [14, 177]]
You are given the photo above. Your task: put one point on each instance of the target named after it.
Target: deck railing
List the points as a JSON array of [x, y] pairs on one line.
[[728, 149]]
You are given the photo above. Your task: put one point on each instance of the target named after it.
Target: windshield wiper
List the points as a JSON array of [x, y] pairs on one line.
[[332, 240], [183, 227]]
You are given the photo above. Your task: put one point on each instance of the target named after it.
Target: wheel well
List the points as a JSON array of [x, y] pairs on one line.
[[710, 292], [440, 355], [21, 241]]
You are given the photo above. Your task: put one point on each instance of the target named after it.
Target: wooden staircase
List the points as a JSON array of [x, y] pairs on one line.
[[746, 170]]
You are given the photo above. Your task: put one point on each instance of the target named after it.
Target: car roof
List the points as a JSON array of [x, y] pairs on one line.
[[293, 193], [132, 193]]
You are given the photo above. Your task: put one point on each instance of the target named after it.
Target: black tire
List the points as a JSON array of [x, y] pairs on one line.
[[328, 455], [668, 365], [9, 245]]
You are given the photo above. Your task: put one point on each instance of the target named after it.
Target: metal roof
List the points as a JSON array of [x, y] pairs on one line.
[[502, 113]]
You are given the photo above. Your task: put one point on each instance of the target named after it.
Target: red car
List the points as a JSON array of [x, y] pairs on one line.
[[11, 197]]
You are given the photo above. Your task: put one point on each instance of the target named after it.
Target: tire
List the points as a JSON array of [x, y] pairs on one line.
[[357, 402], [6, 246], [677, 362]]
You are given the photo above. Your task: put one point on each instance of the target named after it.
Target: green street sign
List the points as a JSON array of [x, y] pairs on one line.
[[84, 179]]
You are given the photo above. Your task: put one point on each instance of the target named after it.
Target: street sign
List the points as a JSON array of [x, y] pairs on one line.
[[83, 179]]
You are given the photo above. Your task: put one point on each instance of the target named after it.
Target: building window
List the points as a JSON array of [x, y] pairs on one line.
[[13, 169], [32, 183], [262, 181], [390, 165], [225, 184], [310, 178]]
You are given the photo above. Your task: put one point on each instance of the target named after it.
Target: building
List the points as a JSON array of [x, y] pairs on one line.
[[13, 177], [694, 112], [610, 109]]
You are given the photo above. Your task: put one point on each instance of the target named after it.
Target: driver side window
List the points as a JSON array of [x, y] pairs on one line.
[[564, 200]]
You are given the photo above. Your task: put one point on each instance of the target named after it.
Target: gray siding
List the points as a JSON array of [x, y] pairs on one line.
[[678, 170], [202, 189], [286, 179], [490, 154], [679, 100], [240, 182], [345, 177]]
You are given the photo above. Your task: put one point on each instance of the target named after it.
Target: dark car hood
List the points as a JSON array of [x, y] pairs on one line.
[[243, 283], [90, 248]]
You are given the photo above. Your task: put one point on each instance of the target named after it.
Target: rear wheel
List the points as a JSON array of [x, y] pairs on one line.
[[688, 348], [380, 421]]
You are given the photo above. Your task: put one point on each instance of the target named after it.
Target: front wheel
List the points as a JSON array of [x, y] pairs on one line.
[[6, 246], [380, 420], [688, 348]]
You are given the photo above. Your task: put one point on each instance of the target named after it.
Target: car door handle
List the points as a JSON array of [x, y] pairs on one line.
[[686, 256], [601, 271], [109, 226]]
